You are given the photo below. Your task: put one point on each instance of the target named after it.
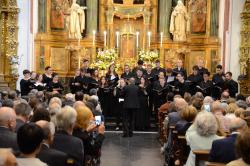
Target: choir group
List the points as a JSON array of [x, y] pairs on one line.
[[154, 85]]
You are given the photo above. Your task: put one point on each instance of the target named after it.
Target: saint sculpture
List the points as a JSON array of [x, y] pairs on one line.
[[76, 21], [179, 23]]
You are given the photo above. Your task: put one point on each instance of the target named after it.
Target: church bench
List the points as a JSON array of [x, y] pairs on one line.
[[201, 155], [214, 164]]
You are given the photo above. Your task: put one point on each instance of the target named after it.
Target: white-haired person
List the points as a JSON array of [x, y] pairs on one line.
[[201, 134], [63, 139], [54, 109]]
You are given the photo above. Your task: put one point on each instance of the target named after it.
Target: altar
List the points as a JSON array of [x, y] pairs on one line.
[[128, 27]]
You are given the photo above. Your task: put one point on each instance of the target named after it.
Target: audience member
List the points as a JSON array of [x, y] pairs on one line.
[[7, 128], [223, 150], [40, 114], [7, 158], [242, 150], [48, 155], [79, 96], [91, 134], [8, 103], [218, 111], [63, 140], [29, 140], [201, 134], [241, 104], [187, 117], [69, 99], [54, 109], [23, 113]]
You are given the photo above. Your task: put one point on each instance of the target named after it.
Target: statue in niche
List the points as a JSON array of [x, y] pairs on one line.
[[179, 23], [76, 21]]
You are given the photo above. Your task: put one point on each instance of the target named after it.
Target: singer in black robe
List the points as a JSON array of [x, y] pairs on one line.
[[104, 95], [230, 85], [219, 83], [55, 85], [180, 85], [205, 86], [75, 82], [194, 79]]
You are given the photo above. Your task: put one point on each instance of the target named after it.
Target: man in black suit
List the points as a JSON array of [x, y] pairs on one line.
[[50, 156], [218, 81], [157, 70], [127, 74], [63, 139], [201, 68], [139, 66], [223, 150], [179, 69], [131, 105], [23, 112], [7, 128], [230, 85]]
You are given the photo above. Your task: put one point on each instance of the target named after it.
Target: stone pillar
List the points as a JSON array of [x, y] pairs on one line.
[[165, 8], [92, 16]]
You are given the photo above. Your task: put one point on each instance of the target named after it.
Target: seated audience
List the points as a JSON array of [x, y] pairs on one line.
[[7, 128], [242, 150], [48, 155], [224, 97], [54, 109], [187, 117], [23, 113], [69, 99], [8, 103], [201, 134], [63, 139], [241, 104], [223, 150], [79, 96], [219, 111], [7, 158], [29, 140], [92, 135]]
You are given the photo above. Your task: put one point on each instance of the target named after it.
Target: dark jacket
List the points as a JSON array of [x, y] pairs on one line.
[[8, 139], [52, 157], [223, 150], [232, 87], [181, 70], [131, 98], [92, 144], [70, 145], [19, 123]]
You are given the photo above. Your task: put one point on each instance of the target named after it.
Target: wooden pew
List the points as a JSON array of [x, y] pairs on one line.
[[214, 164], [201, 155], [162, 130]]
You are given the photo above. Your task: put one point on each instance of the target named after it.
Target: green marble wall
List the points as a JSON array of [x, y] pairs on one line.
[[42, 16], [92, 16], [214, 23], [165, 8]]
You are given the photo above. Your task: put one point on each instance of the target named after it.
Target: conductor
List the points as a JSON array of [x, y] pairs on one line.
[[131, 105]]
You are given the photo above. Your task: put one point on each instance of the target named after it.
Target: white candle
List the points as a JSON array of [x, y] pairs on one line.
[[149, 38], [105, 38], [117, 39], [94, 37], [161, 38], [137, 39]]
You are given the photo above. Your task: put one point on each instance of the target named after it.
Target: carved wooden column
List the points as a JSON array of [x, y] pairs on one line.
[[8, 36], [244, 78]]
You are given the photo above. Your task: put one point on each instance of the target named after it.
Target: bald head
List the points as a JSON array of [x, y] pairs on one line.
[[237, 124], [180, 104], [48, 130], [8, 117], [7, 158]]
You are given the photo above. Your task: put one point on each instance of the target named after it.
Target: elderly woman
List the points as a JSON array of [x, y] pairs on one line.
[[63, 139], [201, 134], [92, 135]]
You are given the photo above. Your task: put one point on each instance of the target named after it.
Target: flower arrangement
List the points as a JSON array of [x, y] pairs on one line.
[[148, 56], [14, 64], [105, 58]]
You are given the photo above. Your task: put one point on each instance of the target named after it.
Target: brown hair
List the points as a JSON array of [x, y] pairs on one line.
[[84, 116], [189, 113], [243, 146], [238, 112], [232, 107]]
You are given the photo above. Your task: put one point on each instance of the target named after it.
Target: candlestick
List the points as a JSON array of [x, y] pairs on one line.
[[161, 38], [149, 38], [117, 39], [94, 37], [105, 38], [137, 39]]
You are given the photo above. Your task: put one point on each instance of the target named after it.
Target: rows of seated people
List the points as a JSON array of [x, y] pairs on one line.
[[53, 130], [199, 129]]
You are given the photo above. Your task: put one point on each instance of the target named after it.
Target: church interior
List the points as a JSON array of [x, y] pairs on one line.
[[66, 35]]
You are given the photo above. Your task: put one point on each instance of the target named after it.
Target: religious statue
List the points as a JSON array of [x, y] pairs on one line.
[[179, 23], [76, 21]]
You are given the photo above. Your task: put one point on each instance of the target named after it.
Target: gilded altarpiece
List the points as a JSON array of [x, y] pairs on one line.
[[244, 78], [53, 47], [8, 43]]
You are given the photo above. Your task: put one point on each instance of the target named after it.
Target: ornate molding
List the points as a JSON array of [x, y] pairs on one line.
[[9, 34]]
